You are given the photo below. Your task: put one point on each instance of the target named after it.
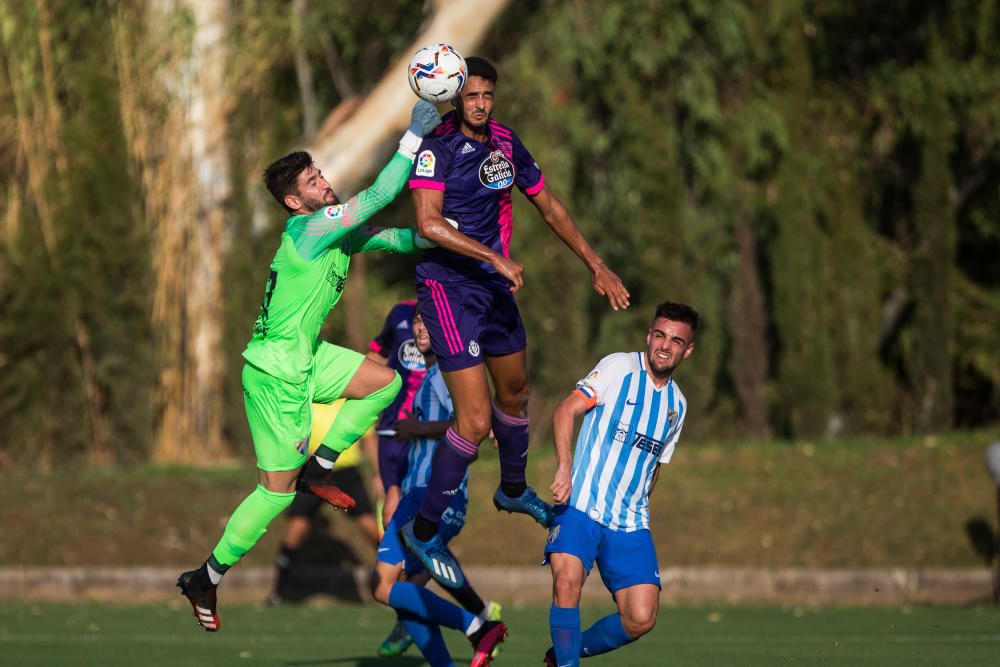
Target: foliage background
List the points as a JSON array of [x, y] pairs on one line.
[[819, 179]]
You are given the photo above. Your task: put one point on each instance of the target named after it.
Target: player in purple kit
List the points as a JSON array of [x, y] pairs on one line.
[[394, 347], [462, 181]]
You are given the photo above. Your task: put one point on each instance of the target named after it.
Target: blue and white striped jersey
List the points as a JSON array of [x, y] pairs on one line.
[[431, 403], [630, 428]]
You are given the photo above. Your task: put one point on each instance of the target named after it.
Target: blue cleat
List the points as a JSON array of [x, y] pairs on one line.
[[434, 556], [527, 503], [396, 643]]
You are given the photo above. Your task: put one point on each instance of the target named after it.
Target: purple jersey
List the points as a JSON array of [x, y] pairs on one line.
[[476, 179], [395, 343]]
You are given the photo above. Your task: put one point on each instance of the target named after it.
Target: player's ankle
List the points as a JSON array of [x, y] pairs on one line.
[[513, 489], [423, 528]]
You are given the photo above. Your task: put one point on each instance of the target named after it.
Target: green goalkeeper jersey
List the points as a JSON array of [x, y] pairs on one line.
[[309, 270]]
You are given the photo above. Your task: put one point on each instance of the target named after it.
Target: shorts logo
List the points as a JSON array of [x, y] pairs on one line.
[[553, 534], [594, 514], [302, 446], [474, 348], [410, 357], [333, 212], [496, 172], [425, 164]]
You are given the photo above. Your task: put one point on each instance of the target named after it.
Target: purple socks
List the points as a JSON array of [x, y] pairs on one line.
[[512, 437]]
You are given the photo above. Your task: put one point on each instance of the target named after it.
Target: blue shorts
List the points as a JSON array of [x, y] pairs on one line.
[[469, 320], [391, 549], [623, 559], [392, 460]]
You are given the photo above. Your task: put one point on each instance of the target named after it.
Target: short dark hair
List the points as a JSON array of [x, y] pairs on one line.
[[281, 176], [482, 68], [679, 312]]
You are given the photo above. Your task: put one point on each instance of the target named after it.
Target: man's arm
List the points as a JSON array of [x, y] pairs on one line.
[[432, 226], [329, 225], [408, 429], [387, 239], [606, 282], [563, 419]]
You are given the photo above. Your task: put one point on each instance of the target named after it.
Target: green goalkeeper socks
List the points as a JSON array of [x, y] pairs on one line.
[[357, 416], [248, 524]]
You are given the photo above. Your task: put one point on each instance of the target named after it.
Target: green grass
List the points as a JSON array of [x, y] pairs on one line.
[[88, 634]]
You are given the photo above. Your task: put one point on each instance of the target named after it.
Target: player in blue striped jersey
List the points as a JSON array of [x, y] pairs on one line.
[[419, 609], [634, 413]]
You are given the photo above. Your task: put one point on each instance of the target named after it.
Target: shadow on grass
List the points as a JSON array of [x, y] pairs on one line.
[[362, 661]]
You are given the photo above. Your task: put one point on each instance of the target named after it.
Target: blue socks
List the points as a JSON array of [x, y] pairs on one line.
[[425, 605], [564, 625], [605, 635], [427, 637]]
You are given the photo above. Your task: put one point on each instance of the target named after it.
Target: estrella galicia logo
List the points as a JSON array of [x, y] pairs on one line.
[[647, 444], [410, 357], [496, 172]]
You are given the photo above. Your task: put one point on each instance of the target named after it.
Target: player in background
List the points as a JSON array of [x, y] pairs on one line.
[[303, 510], [420, 610], [288, 368], [634, 416], [461, 182], [394, 347]]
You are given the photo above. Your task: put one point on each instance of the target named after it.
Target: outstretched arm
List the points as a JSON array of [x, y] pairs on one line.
[[331, 224], [606, 282], [399, 240]]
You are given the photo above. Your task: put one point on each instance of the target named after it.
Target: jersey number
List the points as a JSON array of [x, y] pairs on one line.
[[260, 326]]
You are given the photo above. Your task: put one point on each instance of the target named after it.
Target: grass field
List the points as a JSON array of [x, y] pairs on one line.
[[310, 636]]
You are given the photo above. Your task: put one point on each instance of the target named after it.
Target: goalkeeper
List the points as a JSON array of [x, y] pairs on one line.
[[287, 368]]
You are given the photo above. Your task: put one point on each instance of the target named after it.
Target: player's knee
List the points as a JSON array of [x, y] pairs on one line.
[[514, 401], [474, 428], [380, 588], [566, 591], [639, 621]]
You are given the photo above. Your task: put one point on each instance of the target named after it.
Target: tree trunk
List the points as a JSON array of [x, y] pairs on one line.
[[748, 325], [175, 107]]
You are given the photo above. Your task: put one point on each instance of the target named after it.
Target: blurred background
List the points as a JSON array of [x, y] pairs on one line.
[[820, 179]]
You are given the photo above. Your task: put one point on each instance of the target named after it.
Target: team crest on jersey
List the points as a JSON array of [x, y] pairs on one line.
[[496, 172], [410, 357], [333, 212], [474, 348], [425, 164], [622, 431]]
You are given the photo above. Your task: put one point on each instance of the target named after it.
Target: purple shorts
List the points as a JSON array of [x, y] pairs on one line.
[[392, 460], [469, 320]]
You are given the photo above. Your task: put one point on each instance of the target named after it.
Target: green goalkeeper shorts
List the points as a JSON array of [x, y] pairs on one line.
[[280, 412]]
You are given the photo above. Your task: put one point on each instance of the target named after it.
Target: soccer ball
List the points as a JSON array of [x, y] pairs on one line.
[[436, 73]]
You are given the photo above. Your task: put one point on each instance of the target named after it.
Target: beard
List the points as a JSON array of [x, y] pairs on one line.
[[313, 205]]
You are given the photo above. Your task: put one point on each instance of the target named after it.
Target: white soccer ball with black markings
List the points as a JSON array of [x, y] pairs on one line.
[[436, 73]]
